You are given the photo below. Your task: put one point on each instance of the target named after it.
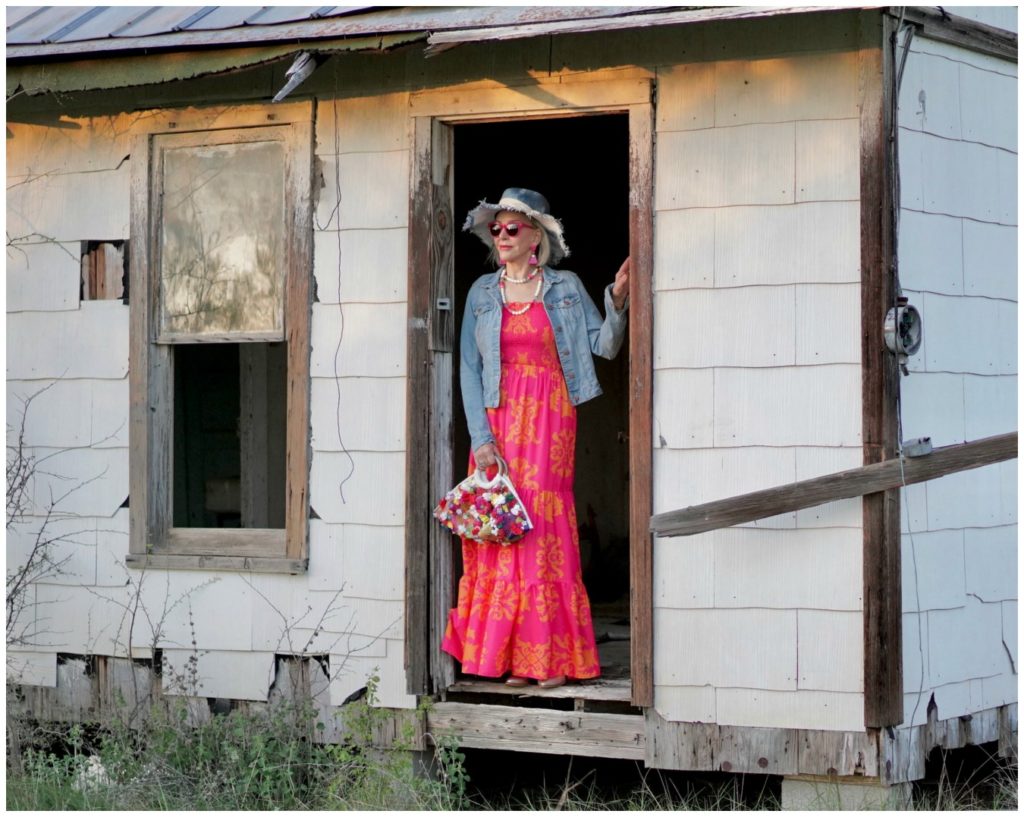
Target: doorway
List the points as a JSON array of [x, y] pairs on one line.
[[581, 164]]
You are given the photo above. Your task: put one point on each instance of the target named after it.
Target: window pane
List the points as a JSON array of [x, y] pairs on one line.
[[222, 240]]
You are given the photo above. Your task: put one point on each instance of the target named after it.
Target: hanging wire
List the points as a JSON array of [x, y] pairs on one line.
[[336, 210], [897, 291]]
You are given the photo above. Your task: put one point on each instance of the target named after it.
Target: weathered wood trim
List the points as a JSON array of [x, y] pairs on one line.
[[139, 348], [543, 94], [545, 731], [151, 364], [297, 322], [940, 25], [883, 652], [418, 519], [641, 319], [758, 750], [860, 481], [244, 564], [440, 330], [903, 751], [267, 542], [597, 690]]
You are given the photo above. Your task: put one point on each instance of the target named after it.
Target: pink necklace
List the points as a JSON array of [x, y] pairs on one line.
[[536, 292]]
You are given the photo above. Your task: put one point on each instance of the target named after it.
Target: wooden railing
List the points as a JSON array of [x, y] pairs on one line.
[[867, 479]]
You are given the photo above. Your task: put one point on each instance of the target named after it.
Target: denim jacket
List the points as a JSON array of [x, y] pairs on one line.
[[579, 333]]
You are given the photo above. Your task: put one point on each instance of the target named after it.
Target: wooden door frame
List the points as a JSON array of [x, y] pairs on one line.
[[429, 385]]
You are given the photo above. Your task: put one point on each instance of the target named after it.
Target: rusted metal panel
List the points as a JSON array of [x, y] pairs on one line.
[[228, 26]]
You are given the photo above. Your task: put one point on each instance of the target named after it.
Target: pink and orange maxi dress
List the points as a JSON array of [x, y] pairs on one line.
[[522, 608]]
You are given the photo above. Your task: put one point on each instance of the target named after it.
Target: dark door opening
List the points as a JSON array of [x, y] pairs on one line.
[[581, 164]]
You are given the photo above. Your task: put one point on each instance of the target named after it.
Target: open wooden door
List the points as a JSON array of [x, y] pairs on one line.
[[429, 573]]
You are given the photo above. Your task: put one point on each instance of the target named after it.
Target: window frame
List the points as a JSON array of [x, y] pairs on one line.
[[153, 541]]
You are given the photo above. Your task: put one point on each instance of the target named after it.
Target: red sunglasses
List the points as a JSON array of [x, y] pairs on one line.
[[510, 227]]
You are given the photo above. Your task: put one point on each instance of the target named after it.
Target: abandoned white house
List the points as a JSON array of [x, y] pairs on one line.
[[231, 322]]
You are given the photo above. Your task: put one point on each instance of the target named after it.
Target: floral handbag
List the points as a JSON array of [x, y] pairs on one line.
[[485, 510]]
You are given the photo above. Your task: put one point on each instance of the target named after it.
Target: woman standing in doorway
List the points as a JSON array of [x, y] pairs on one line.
[[527, 340]]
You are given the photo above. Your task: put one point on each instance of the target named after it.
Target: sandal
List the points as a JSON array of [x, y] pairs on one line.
[[516, 681], [551, 683]]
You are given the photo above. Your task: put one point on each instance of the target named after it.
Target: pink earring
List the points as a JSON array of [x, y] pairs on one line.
[[533, 255]]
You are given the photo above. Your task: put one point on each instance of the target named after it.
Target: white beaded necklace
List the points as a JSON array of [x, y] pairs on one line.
[[505, 276], [536, 291]]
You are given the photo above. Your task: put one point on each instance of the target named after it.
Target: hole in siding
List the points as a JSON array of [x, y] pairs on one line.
[[104, 271]]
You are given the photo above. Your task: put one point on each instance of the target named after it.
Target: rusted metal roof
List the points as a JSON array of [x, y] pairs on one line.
[[61, 31]]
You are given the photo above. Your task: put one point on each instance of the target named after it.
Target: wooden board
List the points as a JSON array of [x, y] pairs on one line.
[[587, 734], [709, 747], [641, 247], [582, 691]]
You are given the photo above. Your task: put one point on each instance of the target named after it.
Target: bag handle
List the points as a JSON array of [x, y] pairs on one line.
[[481, 473]]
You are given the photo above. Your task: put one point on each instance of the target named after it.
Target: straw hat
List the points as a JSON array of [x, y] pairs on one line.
[[519, 200]]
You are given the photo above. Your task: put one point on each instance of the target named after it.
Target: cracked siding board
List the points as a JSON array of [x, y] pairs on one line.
[[720, 167], [759, 331], [372, 341], [341, 405], [934, 573], [990, 405], [988, 347], [752, 648], [991, 563], [785, 569], [684, 408], [797, 709], [369, 266], [350, 672], [980, 498], [32, 668], [43, 276], [810, 242], [990, 260], [830, 650], [691, 704], [816, 462], [91, 342], [838, 306], [684, 249], [784, 89], [111, 550], [72, 206], [359, 487], [81, 481], [965, 643], [827, 166], [795, 405], [374, 191], [365, 124], [69, 145], [988, 105], [932, 252], [933, 406], [71, 413], [69, 543], [692, 477], [244, 676], [684, 572]]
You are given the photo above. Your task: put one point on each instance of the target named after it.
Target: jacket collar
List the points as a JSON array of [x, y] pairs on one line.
[[551, 276]]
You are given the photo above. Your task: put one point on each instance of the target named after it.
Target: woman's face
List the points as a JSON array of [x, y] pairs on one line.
[[515, 249]]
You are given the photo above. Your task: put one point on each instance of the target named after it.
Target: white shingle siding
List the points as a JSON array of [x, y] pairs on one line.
[[958, 264], [757, 250]]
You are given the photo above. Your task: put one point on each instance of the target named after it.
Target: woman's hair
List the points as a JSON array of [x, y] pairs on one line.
[[543, 249]]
